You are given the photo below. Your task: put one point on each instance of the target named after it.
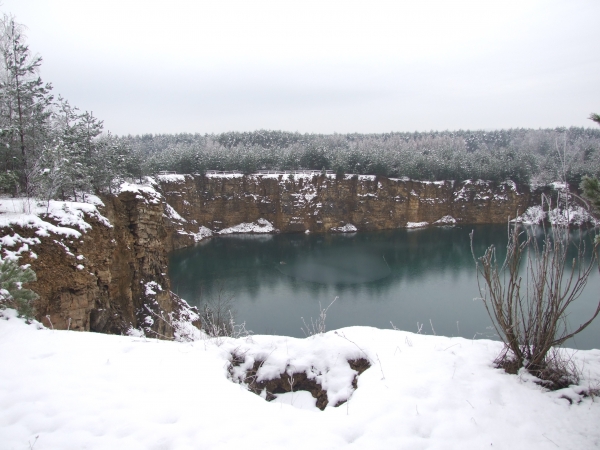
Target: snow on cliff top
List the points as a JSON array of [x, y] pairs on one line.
[[171, 177], [71, 390], [147, 187], [69, 216]]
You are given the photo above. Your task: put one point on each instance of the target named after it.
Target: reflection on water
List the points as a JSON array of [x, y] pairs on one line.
[[337, 265], [408, 277]]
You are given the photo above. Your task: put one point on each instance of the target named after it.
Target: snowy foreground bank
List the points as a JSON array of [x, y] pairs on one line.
[[71, 390]]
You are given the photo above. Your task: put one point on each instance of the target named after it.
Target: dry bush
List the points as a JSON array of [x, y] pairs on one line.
[[529, 311], [317, 326], [218, 316]]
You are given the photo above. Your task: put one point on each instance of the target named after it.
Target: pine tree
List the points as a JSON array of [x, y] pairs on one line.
[[25, 105], [112, 162], [80, 158], [591, 186], [12, 292]]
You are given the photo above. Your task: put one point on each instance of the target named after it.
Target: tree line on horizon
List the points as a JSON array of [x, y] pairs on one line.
[[523, 155], [49, 149]]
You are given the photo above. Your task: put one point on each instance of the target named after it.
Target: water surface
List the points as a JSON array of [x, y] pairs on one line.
[[416, 279]]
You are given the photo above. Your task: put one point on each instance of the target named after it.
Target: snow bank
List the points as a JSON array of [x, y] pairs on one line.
[[202, 233], [446, 220], [227, 175], [27, 212], [361, 177], [147, 188], [171, 178], [172, 214], [416, 224], [260, 226], [348, 228], [72, 390]]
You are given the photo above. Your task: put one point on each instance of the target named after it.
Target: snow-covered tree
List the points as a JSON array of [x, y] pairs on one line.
[[25, 105], [110, 162], [49, 149]]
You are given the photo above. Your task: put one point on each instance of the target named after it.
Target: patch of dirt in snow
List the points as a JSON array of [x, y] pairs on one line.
[[269, 376]]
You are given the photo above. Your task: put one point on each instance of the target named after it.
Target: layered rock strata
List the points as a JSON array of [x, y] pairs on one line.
[[111, 277], [323, 203]]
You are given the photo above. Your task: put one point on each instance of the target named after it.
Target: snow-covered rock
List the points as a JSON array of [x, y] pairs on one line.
[[416, 224], [260, 226], [348, 228], [446, 220]]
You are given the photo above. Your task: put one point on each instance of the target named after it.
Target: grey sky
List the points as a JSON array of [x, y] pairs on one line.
[[321, 66]]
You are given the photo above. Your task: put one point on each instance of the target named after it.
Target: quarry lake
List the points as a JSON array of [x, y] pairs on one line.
[[416, 279]]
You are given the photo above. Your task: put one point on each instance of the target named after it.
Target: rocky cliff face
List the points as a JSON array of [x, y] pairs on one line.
[[110, 277], [113, 276], [322, 204]]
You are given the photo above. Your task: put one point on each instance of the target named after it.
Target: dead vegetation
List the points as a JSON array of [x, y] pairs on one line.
[[529, 306]]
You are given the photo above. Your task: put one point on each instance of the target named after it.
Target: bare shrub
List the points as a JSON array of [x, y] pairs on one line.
[[317, 326], [218, 316], [529, 314]]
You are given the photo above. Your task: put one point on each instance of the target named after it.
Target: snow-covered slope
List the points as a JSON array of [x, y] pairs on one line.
[[69, 390]]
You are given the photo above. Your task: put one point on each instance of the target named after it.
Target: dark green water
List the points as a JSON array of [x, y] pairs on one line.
[[407, 277]]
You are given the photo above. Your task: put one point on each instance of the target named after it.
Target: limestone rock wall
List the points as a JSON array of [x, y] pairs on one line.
[[321, 203]]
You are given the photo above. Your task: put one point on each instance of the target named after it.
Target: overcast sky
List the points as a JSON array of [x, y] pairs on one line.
[[147, 66]]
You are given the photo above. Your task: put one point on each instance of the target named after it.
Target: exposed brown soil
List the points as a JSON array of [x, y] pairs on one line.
[[297, 381]]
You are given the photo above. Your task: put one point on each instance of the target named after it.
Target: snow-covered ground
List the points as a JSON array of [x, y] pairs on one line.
[[69, 215], [71, 390]]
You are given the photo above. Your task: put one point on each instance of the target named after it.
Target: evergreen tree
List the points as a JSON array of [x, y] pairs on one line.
[[79, 158], [12, 292], [110, 162], [591, 186], [25, 106], [591, 191]]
